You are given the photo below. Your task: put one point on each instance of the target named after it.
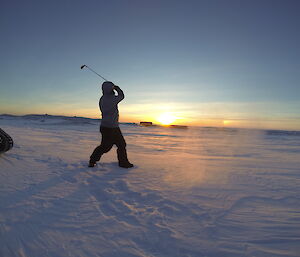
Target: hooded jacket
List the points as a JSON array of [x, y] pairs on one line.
[[108, 104]]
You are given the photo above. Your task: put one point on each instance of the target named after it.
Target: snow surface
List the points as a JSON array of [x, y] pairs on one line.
[[196, 192]]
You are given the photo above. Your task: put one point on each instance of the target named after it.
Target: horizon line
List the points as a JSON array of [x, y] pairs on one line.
[[128, 122]]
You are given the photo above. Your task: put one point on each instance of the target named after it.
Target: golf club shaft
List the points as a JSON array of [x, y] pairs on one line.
[[95, 72]]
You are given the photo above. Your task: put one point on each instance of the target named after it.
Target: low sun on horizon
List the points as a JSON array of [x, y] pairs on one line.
[[166, 118]]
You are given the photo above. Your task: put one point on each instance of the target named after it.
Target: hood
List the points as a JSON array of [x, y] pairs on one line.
[[107, 88]]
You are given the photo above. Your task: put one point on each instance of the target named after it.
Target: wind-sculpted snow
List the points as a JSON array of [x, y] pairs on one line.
[[198, 192]]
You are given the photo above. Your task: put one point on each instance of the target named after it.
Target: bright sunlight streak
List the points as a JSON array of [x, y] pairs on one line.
[[166, 118]]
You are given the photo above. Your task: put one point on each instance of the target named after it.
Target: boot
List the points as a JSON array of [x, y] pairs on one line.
[[126, 165], [92, 164], [122, 157]]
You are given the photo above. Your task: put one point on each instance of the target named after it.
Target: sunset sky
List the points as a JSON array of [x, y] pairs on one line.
[[210, 63]]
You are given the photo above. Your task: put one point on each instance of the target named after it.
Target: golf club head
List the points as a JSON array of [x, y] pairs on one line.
[[83, 66]]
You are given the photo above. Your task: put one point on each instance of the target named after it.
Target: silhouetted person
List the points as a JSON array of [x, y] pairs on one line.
[[111, 133]]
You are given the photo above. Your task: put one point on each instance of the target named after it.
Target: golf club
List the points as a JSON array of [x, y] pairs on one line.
[[85, 66]]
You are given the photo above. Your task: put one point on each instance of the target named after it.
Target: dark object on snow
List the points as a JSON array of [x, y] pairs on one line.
[[146, 123], [6, 142]]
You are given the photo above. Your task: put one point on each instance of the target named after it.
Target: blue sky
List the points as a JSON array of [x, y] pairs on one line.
[[202, 61]]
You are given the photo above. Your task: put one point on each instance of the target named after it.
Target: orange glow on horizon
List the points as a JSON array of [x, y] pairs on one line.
[[166, 118], [226, 122]]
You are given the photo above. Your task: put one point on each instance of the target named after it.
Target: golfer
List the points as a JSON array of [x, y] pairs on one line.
[[111, 133]]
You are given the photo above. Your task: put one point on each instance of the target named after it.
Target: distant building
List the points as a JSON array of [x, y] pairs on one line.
[[179, 126], [146, 123]]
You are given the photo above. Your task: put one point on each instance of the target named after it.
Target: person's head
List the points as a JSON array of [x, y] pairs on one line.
[[108, 88]]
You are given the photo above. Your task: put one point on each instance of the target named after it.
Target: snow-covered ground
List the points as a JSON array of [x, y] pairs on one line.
[[196, 192]]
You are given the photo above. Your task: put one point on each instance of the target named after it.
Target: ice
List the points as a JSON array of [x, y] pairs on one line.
[[212, 192]]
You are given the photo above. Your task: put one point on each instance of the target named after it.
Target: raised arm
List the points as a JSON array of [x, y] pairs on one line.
[[121, 95]]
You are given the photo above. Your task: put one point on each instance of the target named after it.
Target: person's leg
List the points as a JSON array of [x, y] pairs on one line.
[[104, 147], [121, 149]]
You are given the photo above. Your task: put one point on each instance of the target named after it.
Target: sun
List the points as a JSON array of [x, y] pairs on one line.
[[166, 118], [226, 122]]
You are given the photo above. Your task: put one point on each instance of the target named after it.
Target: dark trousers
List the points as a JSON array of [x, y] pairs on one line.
[[110, 137]]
